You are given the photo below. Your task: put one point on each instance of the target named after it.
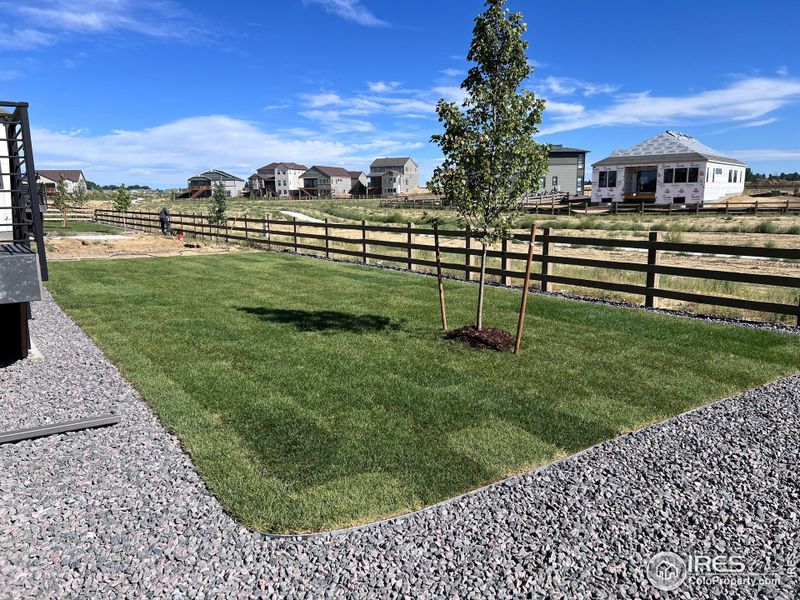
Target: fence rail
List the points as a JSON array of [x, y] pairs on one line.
[[73, 214], [293, 235]]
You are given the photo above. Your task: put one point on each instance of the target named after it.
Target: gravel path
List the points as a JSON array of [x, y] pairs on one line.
[[121, 512]]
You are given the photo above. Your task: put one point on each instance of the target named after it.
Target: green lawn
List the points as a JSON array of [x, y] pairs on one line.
[[313, 395], [76, 228]]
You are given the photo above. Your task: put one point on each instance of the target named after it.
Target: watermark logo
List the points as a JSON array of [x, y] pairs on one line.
[[666, 571]]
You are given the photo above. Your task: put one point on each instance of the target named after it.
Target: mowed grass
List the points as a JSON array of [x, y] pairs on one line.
[[77, 227], [314, 395]]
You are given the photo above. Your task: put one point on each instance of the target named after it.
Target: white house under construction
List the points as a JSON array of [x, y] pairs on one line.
[[669, 168]]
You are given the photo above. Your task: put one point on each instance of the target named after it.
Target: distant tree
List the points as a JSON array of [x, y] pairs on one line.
[[219, 205], [60, 200], [122, 199], [490, 158], [92, 186]]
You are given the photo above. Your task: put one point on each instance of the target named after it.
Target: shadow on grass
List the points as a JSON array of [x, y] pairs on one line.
[[323, 320]]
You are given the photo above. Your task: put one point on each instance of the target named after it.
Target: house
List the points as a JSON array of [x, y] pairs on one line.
[[393, 176], [671, 167], [566, 169], [325, 182], [48, 179], [201, 186], [358, 183], [280, 179]]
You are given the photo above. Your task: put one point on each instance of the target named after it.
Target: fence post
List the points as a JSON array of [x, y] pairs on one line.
[[641, 208], [467, 255], [755, 209], [364, 241], [653, 278], [327, 240], [294, 233], [727, 202], [246, 227], [410, 242], [504, 261], [545, 261]]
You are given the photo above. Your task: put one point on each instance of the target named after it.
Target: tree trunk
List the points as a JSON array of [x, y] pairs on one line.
[[481, 284], [64, 217]]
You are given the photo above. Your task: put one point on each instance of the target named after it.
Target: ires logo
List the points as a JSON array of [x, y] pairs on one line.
[[667, 571]]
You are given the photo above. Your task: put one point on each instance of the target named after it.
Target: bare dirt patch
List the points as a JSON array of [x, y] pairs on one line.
[[485, 339], [130, 245]]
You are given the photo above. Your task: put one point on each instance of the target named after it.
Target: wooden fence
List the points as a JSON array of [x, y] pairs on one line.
[[73, 214], [293, 235]]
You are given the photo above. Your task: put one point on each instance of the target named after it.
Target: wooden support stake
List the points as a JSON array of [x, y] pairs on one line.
[[653, 278], [267, 235], [504, 262], [467, 255], [294, 233], [439, 276], [364, 241], [410, 249], [525, 288], [545, 262], [327, 239]]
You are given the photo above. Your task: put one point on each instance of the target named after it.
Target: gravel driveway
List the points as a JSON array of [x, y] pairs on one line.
[[121, 512]]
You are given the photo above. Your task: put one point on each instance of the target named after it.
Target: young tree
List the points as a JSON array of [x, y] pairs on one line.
[[490, 158], [122, 199], [60, 199], [219, 205], [79, 195]]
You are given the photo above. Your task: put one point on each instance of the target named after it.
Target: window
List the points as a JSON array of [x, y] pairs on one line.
[[735, 176], [612, 179], [603, 179], [681, 175], [707, 170], [579, 185], [730, 176], [543, 183], [694, 173], [555, 180], [679, 200], [669, 175]]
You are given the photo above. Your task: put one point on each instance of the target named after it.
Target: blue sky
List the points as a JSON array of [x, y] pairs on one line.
[[152, 91]]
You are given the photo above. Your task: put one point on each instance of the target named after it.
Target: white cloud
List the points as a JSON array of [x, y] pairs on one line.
[[26, 39], [276, 106], [350, 10], [50, 20], [8, 74], [760, 154], [567, 86], [451, 93], [167, 154], [382, 86], [745, 100], [321, 99], [451, 72], [564, 108], [783, 71]]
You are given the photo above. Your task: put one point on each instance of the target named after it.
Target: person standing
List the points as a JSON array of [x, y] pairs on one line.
[[163, 219]]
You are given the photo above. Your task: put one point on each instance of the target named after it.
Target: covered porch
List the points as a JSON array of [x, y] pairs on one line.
[[639, 183]]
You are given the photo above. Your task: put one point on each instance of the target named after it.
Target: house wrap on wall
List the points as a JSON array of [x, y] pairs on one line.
[[671, 167]]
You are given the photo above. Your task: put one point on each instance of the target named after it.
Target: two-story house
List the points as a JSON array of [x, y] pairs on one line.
[[358, 183], [281, 179], [202, 185], [393, 176], [325, 182]]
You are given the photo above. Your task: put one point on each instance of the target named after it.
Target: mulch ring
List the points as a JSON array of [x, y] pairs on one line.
[[487, 338]]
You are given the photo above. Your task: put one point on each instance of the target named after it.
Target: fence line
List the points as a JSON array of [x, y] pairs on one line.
[[288, 235], [73, 214]]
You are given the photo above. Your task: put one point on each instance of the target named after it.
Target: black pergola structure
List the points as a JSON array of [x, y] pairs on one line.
[[23, 263], [22, 268]]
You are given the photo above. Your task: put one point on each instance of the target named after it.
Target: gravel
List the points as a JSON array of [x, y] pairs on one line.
[[121, 512]]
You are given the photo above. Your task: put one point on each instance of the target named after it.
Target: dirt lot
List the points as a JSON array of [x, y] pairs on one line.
[[126, 245]]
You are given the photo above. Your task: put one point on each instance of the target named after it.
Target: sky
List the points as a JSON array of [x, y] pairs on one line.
[[153, 91]]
